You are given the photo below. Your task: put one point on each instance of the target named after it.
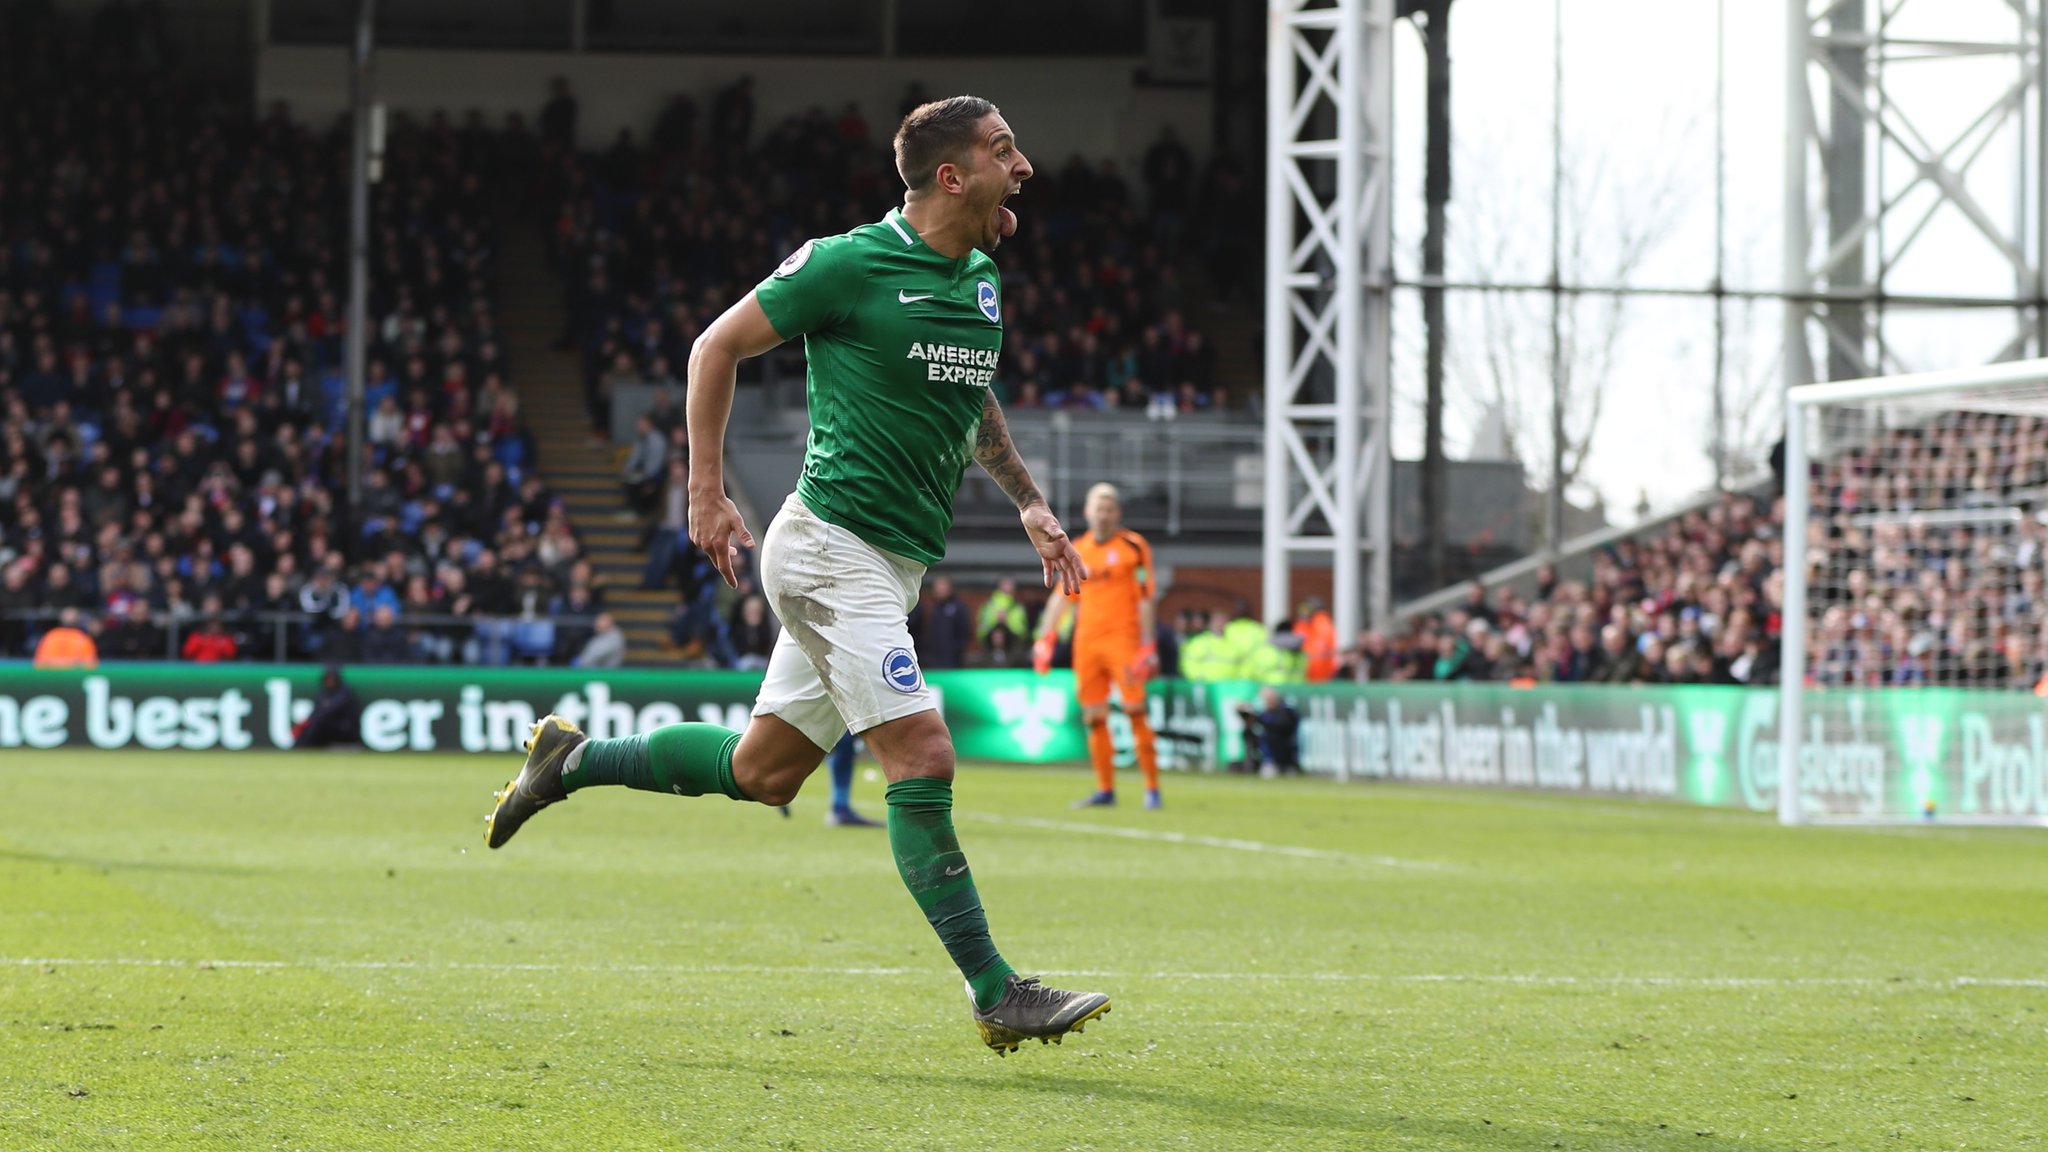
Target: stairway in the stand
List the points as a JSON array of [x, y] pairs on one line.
[[582, 473], [1233, 330]]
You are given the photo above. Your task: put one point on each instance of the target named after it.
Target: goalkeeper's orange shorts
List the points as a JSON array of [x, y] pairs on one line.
[[1098, 667]]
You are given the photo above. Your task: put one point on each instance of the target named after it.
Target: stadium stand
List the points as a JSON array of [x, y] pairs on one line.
[[1693, 602], [1926, 555], [653, 246], [170, 393], [1925, 559]]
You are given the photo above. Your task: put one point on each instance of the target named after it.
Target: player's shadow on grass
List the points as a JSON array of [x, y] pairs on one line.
[[1218, 1110], [103, 866], [1234, 1111]]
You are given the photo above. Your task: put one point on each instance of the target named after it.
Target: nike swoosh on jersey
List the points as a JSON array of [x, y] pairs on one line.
[[903, 297]]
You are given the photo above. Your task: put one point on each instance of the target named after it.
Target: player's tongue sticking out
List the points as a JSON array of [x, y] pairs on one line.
[[1006, 221]]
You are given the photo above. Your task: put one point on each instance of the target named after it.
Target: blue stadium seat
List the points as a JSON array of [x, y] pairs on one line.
[[533, 639], [511, 452], [103, 287], [333, 398], [491, 643]]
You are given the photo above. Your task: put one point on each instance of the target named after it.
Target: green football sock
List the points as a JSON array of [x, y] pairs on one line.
[[683, 759], [929, 859]]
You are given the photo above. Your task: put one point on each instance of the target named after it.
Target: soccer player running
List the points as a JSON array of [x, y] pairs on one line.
[[902, 322], [1113, 640]]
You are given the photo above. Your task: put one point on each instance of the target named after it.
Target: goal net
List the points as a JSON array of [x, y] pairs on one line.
[[1914, 612]]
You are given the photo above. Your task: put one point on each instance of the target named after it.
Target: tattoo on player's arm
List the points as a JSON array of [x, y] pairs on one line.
[[994, 452]]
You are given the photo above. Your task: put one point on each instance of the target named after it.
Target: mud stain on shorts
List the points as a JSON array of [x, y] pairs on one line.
[[806, 614]]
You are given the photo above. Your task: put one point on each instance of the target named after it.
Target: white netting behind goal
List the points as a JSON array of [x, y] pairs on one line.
[[1916, 599], [1925, 538]]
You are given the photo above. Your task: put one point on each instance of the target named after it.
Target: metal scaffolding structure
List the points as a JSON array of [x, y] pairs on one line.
[[1329, 238], [1860, 149]]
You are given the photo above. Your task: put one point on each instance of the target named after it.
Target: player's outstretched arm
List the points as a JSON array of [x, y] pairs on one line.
[[995, 453], [742, 332]]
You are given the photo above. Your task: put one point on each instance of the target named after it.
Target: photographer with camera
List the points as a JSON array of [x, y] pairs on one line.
[[1272, 735]]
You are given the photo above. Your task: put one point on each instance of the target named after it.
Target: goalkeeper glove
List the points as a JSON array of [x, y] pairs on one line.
[[1147, 662], [1041, 654]]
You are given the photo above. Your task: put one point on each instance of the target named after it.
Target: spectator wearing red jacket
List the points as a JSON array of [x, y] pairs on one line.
[[211, 644]]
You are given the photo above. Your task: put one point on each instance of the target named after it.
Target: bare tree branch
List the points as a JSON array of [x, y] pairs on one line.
[[1618, 212]]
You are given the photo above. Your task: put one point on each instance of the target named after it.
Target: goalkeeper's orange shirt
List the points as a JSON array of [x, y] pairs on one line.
[[1119, 577]]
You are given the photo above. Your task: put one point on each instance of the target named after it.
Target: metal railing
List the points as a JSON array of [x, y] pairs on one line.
[[1164, 469], [283, 637], [1178, 476]]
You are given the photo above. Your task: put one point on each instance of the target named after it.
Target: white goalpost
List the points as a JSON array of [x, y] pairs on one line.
[[1914, 614]]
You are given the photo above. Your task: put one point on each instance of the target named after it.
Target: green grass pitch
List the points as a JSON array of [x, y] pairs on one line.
[[317, 952]]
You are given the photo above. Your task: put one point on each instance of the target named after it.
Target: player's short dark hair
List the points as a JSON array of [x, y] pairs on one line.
[[937, 133]]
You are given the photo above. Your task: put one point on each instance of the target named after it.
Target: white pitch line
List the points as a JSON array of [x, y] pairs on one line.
[[457, 966], [1235, 845], [1506, 978]]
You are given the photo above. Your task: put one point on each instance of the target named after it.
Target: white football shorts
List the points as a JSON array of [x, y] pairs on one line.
[[844, 660]]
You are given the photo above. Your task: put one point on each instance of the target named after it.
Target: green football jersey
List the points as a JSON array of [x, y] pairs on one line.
[[900, 345]]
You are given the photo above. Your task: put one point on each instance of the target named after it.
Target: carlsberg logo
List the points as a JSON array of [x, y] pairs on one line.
[[1834, 774]]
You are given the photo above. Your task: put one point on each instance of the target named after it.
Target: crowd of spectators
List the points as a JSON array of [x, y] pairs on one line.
[[1694, 602], [171, 460], [656, 242], [1927, 564], [1927, 555]]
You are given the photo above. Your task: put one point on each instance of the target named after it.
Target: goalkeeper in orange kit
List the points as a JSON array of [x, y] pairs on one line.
[[1113, 640]]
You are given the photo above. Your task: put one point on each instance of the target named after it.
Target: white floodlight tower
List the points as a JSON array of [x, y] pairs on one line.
[[1329, 118], [1892, 168]]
